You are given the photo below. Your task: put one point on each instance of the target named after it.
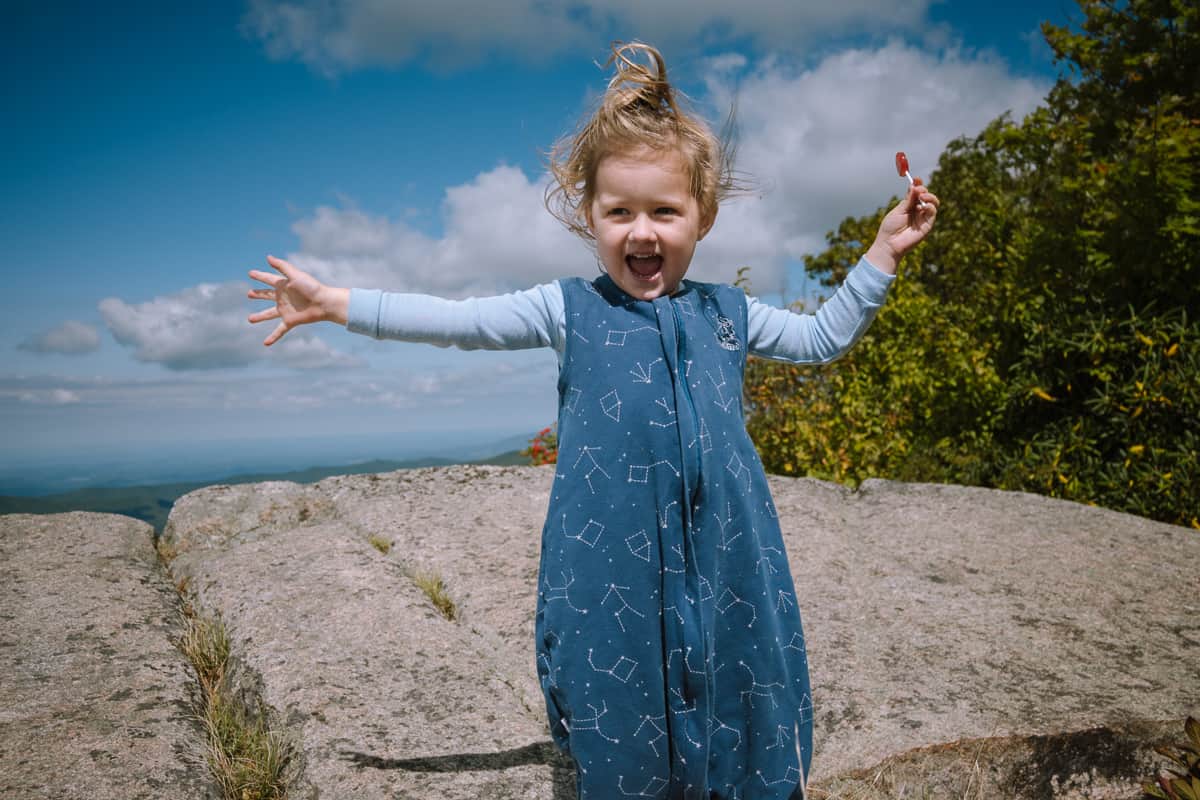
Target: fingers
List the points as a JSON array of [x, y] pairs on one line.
[[264, 315], [919, 200], [276, 334], [276, 282], [264, 294], [912, 202], [269, 278], [927, 207], [284, 267], [921, 191]]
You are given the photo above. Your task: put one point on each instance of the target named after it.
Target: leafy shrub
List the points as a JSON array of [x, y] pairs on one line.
[[903, 403], [1108, 411], [1182, 782], [1040, 338]]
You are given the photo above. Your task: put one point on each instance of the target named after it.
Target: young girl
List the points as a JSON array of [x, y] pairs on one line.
[[668, 638]]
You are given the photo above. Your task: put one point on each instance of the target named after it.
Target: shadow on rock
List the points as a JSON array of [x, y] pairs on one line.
[[537, 753]]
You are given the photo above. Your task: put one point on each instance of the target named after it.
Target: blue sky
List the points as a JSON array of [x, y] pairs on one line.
[[154, 155]]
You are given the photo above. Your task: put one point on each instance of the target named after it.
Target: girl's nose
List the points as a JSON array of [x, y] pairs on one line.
[[642, 229]]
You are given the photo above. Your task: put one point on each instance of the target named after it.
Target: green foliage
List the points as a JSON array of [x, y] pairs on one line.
[[1108, 411], [1044, 337], [1182, 782], [902, 404]]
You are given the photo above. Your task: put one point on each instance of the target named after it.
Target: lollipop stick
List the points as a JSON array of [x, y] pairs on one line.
[[902, 171], [907, 174]]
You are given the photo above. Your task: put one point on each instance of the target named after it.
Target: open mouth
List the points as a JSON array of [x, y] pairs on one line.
[[644, 267]]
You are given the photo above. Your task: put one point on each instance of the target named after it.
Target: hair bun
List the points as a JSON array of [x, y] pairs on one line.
[[637, 82]]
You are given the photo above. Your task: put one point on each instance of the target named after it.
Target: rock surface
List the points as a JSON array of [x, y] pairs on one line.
[[95, 700], [383, 696], [934, 614]]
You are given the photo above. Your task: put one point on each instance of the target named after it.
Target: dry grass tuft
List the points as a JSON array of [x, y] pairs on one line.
[[380, 544], [206, 645], [247, 759], [435, 589], [914, 776], [167, 551]]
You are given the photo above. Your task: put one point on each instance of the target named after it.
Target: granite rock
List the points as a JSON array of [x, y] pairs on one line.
[[934, 615], [96, 703], [381, 694]]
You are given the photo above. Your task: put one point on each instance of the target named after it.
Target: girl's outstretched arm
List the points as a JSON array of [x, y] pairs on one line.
[[515, 321], [299, 299], [801, 338], [829, 333]]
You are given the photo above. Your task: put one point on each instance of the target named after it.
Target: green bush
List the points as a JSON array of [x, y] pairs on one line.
[[1108, 411], [904, 403], [1040, 338]]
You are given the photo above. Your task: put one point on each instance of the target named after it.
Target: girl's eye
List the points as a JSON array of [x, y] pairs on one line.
[[617, 212], [666, 211]]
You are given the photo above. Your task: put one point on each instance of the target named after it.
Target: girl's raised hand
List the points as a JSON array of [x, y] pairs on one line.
[[904, 227], [299, 299]]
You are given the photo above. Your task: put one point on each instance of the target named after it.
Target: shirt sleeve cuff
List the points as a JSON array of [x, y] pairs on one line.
[[869, 281], [363, 314]]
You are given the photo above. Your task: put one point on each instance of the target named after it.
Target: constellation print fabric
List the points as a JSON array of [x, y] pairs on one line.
[[669, 643]]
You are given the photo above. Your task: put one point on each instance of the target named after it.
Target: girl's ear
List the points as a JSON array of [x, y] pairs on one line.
[[706, 224]]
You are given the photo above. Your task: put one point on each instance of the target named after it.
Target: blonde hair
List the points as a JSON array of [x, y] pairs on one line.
[[639, 109]]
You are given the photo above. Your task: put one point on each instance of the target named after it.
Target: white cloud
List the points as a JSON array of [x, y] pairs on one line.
[[205, 327], [48, 397], [819, 141], [497, 236], [345, 34], [476, 380], [769, 23], [69, 338], [337, 35]]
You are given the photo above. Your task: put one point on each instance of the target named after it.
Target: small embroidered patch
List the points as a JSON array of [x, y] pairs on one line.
[[726, 335]]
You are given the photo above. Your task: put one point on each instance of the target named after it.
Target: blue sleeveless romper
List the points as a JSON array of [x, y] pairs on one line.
[[669, 645]]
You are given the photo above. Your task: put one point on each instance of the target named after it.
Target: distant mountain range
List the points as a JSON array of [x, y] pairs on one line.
[[153, 503]]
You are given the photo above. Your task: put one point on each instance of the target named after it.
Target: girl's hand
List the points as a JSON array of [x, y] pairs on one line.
[[299, 299], [903, 227]]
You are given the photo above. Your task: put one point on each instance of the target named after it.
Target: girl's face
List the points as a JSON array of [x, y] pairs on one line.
[[645, 220]]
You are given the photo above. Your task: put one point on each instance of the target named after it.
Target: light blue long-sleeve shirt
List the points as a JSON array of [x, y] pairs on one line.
[[536, 318]]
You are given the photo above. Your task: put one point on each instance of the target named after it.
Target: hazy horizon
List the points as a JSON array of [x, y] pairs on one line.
[[41, 473]]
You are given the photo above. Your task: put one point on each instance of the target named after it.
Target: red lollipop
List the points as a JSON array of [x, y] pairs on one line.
[[902, 169]]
